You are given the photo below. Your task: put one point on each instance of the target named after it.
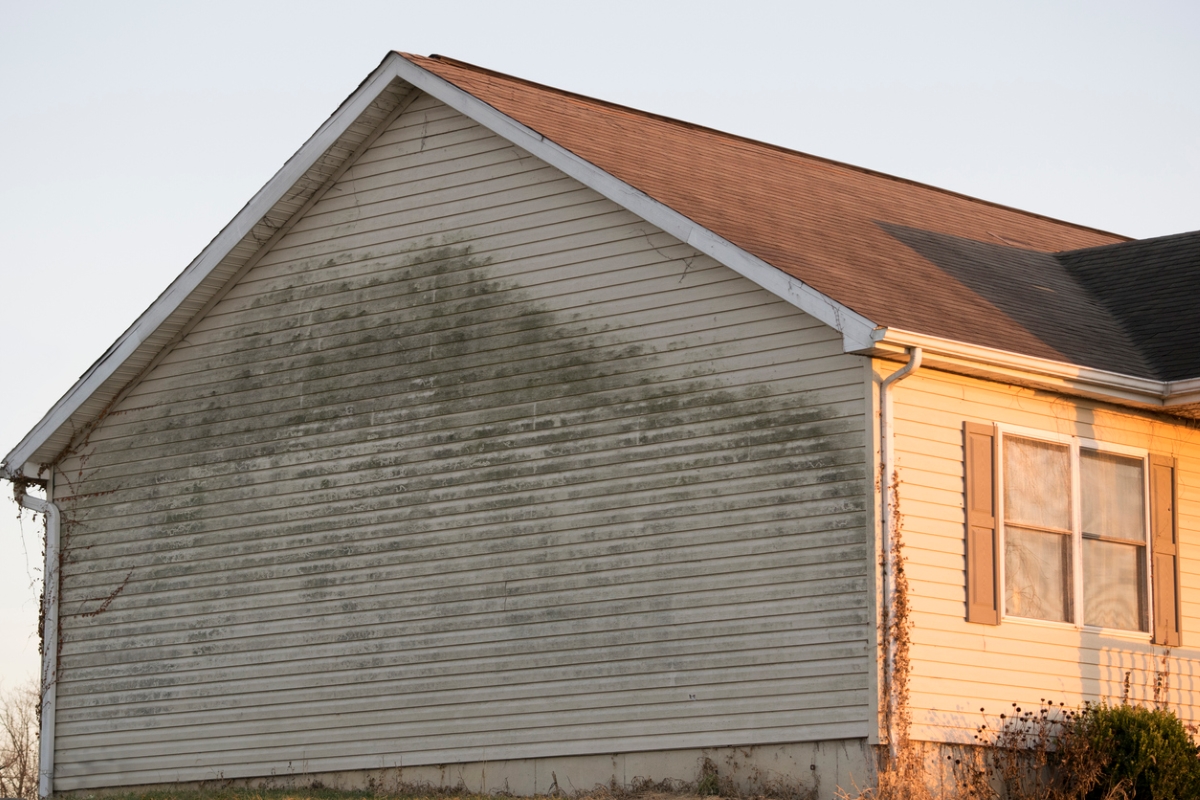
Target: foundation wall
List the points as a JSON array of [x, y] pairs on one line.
[[819, 768]]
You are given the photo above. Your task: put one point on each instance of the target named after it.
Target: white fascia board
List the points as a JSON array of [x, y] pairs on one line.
[[856, 329], [200, 268], [1056, 375], [1180, 393]]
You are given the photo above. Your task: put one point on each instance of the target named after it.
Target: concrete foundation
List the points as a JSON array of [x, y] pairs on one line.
[[812, 769]]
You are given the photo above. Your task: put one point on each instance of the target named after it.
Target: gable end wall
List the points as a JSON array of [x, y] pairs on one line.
[[474, 465]]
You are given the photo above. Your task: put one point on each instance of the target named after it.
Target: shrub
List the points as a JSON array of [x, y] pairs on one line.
[[1031, 754], [1100, 752], [1147, 751]]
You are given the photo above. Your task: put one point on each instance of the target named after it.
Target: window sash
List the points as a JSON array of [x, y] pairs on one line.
[[1107, 481], [1039, 570], [1078, 596], [1034, 468], [1120, 601]]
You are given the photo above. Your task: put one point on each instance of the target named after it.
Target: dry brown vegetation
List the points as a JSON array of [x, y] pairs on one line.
[[644, 790], [19, 742]]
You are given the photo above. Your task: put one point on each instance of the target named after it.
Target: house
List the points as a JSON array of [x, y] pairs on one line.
[[512, 437]]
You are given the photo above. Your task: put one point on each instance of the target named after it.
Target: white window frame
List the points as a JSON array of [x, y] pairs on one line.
[[1076, 443]]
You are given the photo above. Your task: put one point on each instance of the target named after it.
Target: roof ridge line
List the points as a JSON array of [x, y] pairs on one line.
[[759, 143], [1147, 240]]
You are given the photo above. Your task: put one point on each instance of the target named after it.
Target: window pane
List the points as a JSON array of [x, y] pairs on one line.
[[1037, 483], [1112, 492], [1112, 585], [1037, 574]]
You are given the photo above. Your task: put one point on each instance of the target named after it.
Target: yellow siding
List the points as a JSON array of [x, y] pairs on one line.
[[959, 668]]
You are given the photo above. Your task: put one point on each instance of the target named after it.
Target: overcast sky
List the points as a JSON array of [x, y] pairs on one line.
[[135, 131]]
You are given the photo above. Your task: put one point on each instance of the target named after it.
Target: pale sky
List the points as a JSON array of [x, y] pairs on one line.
[[135, 131]]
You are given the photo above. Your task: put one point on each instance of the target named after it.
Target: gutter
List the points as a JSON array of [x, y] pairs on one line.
[[1041, 373], [887, 535], [49, 687], [1179, 393]]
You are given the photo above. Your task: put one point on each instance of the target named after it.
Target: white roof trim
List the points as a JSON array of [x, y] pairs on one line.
[[1060, 376], [856, 329], [1182, 392], [179, 290]]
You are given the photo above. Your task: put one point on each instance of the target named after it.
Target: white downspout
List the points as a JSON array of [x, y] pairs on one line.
[[886, 532], [49, 685]]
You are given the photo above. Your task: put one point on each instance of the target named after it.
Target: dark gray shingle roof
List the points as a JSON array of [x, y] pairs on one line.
[[1035, 292], [1151, 288]]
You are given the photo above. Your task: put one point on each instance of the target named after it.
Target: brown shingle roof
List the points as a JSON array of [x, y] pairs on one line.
[[903, 254]]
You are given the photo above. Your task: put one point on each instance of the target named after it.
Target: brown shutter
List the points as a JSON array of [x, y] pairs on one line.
[[1164, 568], [983, 540]]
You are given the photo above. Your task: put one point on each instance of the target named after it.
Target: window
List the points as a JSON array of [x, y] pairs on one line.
[[1069, 530], [1075, 532]]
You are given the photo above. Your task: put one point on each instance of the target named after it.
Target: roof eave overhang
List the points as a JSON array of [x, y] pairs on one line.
[[1040, 373]]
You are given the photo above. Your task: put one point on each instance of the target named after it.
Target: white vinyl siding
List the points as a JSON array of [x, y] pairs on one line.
[[958, 667], [473, 465]]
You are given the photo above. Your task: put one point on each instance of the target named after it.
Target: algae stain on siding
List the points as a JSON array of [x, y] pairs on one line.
[[448, 507]]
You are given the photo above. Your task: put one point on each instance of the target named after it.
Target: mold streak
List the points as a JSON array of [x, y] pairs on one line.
[[474, 465]]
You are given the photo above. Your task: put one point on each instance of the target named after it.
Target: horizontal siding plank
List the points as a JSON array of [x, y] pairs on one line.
[[471, 388], [820, 468], [583, 250], [484, 349], [665, 449], [201, 704], [201, 719], [427, 530], [643, 643], [470, 492], [842, 722]]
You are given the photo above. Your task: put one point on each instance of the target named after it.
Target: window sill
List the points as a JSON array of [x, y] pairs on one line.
[[1117, 633], [1114, 633]]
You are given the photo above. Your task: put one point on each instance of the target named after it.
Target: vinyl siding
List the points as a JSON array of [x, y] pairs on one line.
[[473, 465], [958, 667]]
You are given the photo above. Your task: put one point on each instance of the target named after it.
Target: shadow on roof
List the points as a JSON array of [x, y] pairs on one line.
[[1037, 292]]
